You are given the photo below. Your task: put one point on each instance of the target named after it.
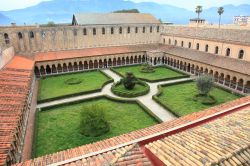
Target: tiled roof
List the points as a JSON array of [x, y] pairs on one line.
[[229, 35], [88, 52], [130, 138], [225, 140], [114, 18], [15, 80], [232, 64]]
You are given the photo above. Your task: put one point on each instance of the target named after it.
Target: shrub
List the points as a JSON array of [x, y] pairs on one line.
[[129, 81], [147, 68], [93, 121], [204, 84], [73, 81]]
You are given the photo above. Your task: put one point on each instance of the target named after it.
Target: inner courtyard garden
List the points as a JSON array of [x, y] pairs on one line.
[[58, 126]]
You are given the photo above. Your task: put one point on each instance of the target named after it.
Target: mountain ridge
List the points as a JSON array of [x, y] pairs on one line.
[[61, 11]]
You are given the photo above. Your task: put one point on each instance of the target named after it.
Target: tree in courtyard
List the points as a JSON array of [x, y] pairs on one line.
[[129, 81], [204, 84], [220, 12], [93, 121]]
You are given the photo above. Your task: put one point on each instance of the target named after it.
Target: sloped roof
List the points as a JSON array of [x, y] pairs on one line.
[[225, 140], [114, 18]]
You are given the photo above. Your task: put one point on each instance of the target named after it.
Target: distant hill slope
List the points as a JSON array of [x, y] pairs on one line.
[[61, 11], [4, 20]]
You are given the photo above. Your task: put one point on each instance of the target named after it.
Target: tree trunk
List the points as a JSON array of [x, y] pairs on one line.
[[219, 20]]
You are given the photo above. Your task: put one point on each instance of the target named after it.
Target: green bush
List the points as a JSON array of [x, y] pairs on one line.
[[204, 84], [147, 68], [73, 81], [93, 121], [129, 81]]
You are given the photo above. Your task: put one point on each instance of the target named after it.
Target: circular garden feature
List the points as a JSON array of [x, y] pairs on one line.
[[73, 81], [147, 68], [130, 86]]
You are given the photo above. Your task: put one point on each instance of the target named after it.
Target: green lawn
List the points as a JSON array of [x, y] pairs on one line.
[[55, 86], [160, 72], [58, 128], [179, 98]]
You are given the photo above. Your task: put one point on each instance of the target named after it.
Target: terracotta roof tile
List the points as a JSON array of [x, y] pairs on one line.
[[222, 140]]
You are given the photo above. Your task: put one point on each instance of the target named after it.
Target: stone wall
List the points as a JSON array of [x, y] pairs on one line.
[[32, 39], [5, 56]]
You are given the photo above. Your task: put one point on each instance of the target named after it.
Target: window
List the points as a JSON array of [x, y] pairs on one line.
[[182, 43], [158, 29], [241, 54], [20, 35], [75, 32], [189, 45], [84, 31], [216, 51], [120, 30], [103, 31], [164, 41], [197, 46], [143, 30], [151, 29], [136, 29], [112, 30], [169, 41], [94, 31], [206, 48], [128, 29], [6, 38], [228, 52], [31, 34], [175, 42]]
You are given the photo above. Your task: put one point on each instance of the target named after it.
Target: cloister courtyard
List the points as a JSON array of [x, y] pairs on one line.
[[62, 97]]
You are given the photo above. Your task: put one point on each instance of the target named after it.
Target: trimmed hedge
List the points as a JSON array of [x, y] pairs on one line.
[[79, 93], [148, 111], [129, 93]]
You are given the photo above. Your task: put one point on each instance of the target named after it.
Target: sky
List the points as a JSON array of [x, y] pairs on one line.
[[188, 4]]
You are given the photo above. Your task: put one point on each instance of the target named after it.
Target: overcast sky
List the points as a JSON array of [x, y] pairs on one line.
[[189, 4]]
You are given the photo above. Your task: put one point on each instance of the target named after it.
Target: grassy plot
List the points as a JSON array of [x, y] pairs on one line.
[[56, 86], [59, 128], [159, 74], [179, 98]]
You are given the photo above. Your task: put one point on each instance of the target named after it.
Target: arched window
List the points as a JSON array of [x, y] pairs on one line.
[[94, 31], [216, 51], [120, 30], [103, 31], [75, 32], [228, 51], [112, 30], [6, 38], [175, 42], [189, 45], [164, 41], [197, 46], [20, 35], [136, 29], [158, 29], [31, 34], [206, 48], [143, 30], [84, 31], [241, 54], [182, 43], [128, 29], [169, 41], [151, 29]]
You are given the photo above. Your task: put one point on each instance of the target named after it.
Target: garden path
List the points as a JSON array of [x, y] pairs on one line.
[[156, 109]]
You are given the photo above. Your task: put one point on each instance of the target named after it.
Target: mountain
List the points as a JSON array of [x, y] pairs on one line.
[[61, 11], [4, 20]]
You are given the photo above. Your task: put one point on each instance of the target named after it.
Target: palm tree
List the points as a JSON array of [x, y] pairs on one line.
[[220, 12], [198, 10]]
